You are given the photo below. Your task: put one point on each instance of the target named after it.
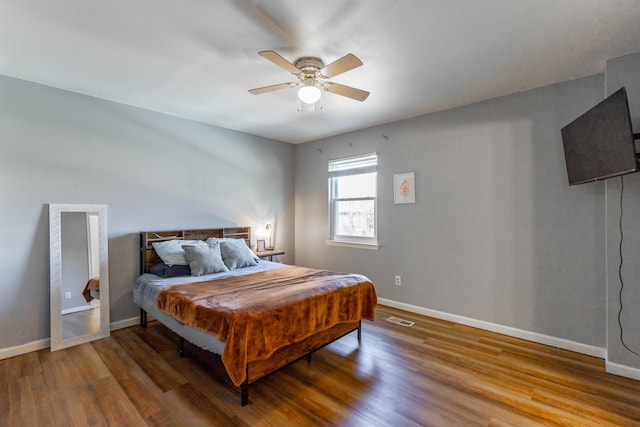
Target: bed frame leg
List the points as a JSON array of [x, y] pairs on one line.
[[359, 331], [244, 390], [181, 349], [143, 318]]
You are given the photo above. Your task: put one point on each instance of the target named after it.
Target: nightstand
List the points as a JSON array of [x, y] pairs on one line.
[[269, 254]]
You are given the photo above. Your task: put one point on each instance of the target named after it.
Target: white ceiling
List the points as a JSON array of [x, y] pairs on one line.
[[197, 58]]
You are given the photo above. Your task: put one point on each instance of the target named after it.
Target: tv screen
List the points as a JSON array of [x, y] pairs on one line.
[[599, 144]]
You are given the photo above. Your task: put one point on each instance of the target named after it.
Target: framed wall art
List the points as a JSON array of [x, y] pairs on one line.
[[404, 188]]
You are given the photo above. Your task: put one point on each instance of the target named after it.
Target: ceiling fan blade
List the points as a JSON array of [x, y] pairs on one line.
[[259, 90], [339, 66], [274, 57], [349, 92]]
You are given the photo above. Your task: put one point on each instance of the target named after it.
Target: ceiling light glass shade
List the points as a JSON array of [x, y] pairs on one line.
[[309, 94]]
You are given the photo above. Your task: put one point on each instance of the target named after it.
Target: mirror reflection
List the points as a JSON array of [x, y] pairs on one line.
[[79, 274], [80, 286]]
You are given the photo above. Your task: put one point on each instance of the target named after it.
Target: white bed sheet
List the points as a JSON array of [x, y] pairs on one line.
[[148, 286]]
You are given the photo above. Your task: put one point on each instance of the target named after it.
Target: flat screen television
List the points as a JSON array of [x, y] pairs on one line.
[[600, 143]]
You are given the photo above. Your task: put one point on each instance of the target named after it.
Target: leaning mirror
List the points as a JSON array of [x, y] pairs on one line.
[[79, 274]]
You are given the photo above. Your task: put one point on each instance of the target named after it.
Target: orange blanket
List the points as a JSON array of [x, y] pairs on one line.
[[256, 314]]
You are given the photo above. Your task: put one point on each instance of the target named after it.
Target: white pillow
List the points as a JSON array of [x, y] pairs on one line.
[[171, 252]]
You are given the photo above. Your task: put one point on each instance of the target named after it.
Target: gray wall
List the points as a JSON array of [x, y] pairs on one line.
[[624, 71], [153, 171], [496, 234]]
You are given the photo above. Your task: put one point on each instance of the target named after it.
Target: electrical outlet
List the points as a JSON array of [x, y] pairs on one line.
[[67, 295], [398, 281]]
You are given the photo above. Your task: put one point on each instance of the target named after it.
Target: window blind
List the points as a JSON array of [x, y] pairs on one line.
[[353, 165]]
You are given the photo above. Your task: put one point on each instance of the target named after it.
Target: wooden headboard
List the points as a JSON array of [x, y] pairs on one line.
[[148, 256]]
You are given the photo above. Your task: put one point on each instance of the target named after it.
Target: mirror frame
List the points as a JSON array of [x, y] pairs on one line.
[[55, 273]]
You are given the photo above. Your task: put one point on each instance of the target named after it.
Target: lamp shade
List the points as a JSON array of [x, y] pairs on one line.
[[268, 231], [309, 94]]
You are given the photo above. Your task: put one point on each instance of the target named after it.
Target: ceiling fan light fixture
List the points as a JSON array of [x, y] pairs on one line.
[[312, 75], [309, 93]]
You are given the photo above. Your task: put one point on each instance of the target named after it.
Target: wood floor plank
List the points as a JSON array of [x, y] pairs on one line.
[[142, 390], [20, 367], [48, 401], [566, 383], [51, 399], [117, 408], [156, 368], [435, 373]]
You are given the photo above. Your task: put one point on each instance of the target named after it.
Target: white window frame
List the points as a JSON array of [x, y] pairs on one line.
[[346, 166]]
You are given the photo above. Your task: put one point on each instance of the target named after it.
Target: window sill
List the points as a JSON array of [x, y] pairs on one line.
[[371, 246]]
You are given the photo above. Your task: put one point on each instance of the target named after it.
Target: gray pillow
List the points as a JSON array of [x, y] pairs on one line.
[[171, 252], [204, 259], [212, 240], [236, 254]]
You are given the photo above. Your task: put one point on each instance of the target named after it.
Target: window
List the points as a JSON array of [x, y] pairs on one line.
[[353, 200]]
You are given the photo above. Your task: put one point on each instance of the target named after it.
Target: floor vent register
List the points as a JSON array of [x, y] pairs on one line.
[[399, 321]]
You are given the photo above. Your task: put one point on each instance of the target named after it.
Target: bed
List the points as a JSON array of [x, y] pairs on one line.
[[258, 316]]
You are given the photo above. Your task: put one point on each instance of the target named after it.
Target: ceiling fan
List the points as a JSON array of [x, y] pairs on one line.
[[313, 77]]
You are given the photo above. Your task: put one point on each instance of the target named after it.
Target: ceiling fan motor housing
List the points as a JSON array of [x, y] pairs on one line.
[[309, 65]]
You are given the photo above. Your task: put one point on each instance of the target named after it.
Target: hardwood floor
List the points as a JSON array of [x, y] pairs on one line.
[[435, 373]]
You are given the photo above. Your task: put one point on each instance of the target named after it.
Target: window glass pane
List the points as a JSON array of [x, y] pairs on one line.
[[355, 218], [351, 186], [352, 199]]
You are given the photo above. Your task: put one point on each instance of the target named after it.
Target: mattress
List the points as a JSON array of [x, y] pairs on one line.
[[148, 286]]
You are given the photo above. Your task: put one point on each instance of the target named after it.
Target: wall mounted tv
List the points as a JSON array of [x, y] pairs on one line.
[[600, 143]]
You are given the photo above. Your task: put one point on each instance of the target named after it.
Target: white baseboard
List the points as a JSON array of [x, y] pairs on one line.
[[8, 352], [126, 323], [622, 370], [77, 309], [577, 347]]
